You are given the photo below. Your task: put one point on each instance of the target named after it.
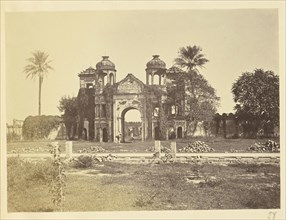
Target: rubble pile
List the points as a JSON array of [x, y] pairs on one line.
[[197, 147], [268, 146], [92, 149]]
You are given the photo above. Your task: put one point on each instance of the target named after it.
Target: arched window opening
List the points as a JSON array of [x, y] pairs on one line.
[[103, 110], [89, 85], [156, 112], [97, 111], [172, 134], [173, 110], [105, 80], [156, 79]]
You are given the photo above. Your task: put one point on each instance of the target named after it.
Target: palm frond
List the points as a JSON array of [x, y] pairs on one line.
[[39, 65], [191, 58]]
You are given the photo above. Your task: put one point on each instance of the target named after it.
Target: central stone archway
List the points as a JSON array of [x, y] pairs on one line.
[[107, 101], [123, 126], [122, 107], [129, 95]]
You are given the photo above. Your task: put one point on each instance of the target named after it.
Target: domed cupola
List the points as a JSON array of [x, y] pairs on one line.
[[156, 63], [105, 64], [106, 72], [156, 71]]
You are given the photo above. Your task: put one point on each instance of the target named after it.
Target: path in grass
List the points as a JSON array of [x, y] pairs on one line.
[[220, 145]]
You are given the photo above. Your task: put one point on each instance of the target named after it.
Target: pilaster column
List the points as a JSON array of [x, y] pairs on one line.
[[143, 129], [176, 132], [167, 134], [153, 131], [147, 78], [100, 135]]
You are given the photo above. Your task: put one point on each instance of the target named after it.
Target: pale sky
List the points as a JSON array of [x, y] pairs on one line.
[[234, 41]]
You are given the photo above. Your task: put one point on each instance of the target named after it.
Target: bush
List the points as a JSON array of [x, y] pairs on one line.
[[211, 182], [88, 161], [145, 199], [39, 127], [22, 174]]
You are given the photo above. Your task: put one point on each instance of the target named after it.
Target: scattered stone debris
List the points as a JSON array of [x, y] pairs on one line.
[[30, 150], [268, 146], [196, 147], [92, 149]]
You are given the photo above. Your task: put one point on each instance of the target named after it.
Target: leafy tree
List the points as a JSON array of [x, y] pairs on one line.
[[200, 98], [38, 67], [256, 96], [86, 105], [68, 105]]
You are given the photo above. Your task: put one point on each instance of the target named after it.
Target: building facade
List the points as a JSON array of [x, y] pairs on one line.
[[106, 101]]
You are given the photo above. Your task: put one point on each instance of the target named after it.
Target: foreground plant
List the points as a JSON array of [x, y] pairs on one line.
[[58, 182]]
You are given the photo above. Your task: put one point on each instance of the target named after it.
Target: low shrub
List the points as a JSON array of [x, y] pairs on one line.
[[22, 173], [211, 182], [89, 161], [145, 199]]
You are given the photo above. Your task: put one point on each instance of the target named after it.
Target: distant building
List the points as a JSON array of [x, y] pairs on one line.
[[14, 132]]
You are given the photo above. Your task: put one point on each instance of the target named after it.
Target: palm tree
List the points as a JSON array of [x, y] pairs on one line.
[[38, 67], [191, 58]]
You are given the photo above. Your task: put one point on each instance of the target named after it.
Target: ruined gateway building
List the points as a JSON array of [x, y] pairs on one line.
[[106, 101]]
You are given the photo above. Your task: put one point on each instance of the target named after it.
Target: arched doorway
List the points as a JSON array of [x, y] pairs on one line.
[[157, 133], [84, 134], [131, 125], [104, 135], [179, 132], [171, 132]]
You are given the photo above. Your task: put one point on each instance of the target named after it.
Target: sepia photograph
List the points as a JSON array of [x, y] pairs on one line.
[[142, 110]]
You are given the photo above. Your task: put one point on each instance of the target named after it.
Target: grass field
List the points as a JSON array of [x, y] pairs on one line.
[[111, 186], [219, 144]]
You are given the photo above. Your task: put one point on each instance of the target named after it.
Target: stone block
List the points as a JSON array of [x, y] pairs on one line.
[[173, 149], [68, 149], [158, 148]]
